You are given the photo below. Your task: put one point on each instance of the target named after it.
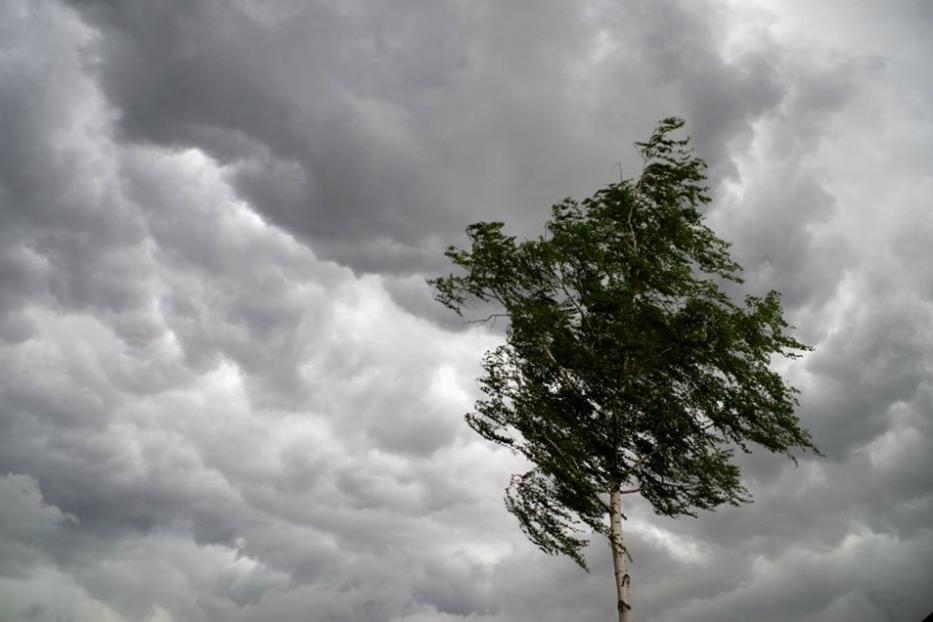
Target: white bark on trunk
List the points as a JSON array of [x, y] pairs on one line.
[[624, 599]]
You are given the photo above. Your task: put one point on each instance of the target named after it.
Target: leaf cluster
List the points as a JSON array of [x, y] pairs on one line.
[[626, 366]]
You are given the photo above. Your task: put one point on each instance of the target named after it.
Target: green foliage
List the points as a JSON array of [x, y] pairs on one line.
[[626, 366]]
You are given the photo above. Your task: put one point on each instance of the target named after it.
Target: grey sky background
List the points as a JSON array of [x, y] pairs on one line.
[[226, 393]]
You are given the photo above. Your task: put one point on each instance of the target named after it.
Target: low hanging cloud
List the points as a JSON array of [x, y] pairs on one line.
[[226, 393]]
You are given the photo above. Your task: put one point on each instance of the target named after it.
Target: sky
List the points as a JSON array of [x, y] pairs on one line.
[[226, 393]]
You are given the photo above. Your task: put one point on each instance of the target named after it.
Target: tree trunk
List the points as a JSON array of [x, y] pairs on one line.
[[624, 599]]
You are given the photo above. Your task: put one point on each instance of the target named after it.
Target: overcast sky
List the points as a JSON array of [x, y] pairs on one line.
[[226, 393]]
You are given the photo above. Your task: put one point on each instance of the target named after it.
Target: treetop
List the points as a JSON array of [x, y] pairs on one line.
[[626, 366]]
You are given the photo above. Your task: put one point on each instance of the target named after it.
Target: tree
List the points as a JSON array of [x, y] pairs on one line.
[[626, 369]]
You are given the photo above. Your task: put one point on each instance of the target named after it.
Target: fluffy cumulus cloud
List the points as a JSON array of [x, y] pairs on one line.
[[226, 393]]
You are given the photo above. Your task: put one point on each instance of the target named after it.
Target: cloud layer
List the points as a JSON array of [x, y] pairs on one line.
[[226, 394]]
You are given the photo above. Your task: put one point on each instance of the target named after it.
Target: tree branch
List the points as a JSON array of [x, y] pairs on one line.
[[491, 316], [569, 381]]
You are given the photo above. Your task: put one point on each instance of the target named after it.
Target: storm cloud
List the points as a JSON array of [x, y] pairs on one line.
[[226, 392]]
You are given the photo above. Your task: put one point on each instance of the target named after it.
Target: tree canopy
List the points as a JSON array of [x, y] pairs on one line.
[[626, 366]]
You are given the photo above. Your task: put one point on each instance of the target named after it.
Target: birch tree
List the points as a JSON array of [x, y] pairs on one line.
[[626, 367]]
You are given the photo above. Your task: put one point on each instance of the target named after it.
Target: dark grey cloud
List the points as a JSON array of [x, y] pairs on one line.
[[226, 393], [377, 134]]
